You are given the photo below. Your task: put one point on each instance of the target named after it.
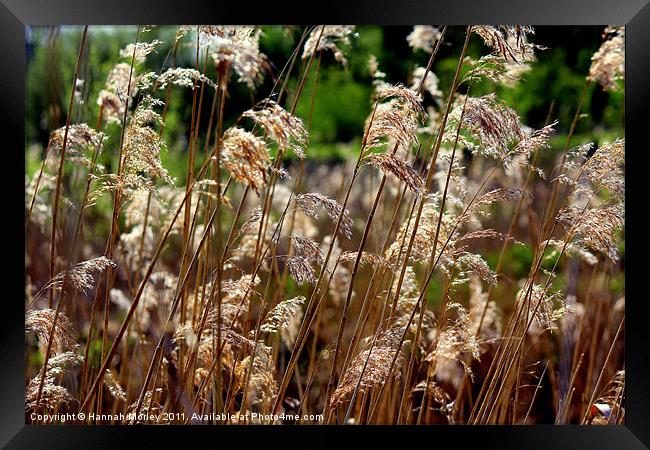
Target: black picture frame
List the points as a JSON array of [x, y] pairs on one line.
[[635, 14]]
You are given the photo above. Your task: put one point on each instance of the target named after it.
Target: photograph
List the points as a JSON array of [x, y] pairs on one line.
[[325, 225]]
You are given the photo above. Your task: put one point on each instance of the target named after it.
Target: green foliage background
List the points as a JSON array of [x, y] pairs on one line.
[[337, 110]]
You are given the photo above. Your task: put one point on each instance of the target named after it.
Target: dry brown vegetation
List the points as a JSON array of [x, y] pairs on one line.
[[355, 294]]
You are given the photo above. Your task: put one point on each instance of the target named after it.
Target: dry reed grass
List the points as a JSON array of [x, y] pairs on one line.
[[235, 294]]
